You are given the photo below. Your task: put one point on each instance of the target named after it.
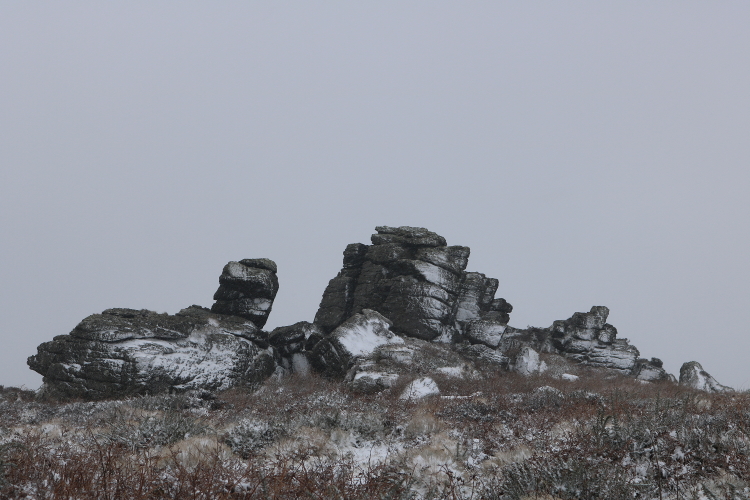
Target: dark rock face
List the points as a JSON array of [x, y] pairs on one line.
[[414, 279], [124, 352], [247, 289], [291, 345]]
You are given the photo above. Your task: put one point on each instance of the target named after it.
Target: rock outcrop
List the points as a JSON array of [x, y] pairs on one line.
[[585, 338], [247, 289], [693, 375], [357, 337], [381, 368], [589, 339], [403, 306], [414, 279], [528, 362], [123, 352], [420, 388]]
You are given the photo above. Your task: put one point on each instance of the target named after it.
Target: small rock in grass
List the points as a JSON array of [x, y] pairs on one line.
[[420, 388]]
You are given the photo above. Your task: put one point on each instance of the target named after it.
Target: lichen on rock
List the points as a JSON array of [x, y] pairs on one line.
[[412, 277]]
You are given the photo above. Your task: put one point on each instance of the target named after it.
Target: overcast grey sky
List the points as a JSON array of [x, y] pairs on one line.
[[589, 153]]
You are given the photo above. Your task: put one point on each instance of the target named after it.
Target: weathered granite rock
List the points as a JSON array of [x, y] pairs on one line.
[[407, 236], [477, 295], [651, 370], [413, 278], [420, 388], [292, 339], [357, 337], [247, 289], [589, 339], [586, 338], [693, 375], [396, 307], [289, 343], [485, 354], [124, 352]]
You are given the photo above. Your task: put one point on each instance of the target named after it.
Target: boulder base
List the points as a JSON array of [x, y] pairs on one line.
[[124, 352]]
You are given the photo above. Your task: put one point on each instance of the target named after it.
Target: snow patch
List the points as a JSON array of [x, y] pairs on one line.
[[452, 371], [420, 388], [528, 363], [361, 334], [300, 365]]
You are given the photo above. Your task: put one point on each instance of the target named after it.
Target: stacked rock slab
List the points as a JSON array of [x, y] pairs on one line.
[[411, 276], [123, 352], [247, 289], [586, 338], [589, 339], [292, 344]]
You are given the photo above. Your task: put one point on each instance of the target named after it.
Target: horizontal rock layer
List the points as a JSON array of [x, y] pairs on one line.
[[124, 352], [411, 276], [247, 289]]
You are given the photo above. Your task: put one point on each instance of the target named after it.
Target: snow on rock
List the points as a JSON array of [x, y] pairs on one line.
[[476, 297], [489, 333], [411, 276], [569, 377], [420, 388], [362, 333], [454, 371], [483, 353], [388, 362], [372, 381], [693, 375], [651, 370], [528, 362], [587, 339], [124, 352], [357, 337], [300, 365], [403, 305]]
